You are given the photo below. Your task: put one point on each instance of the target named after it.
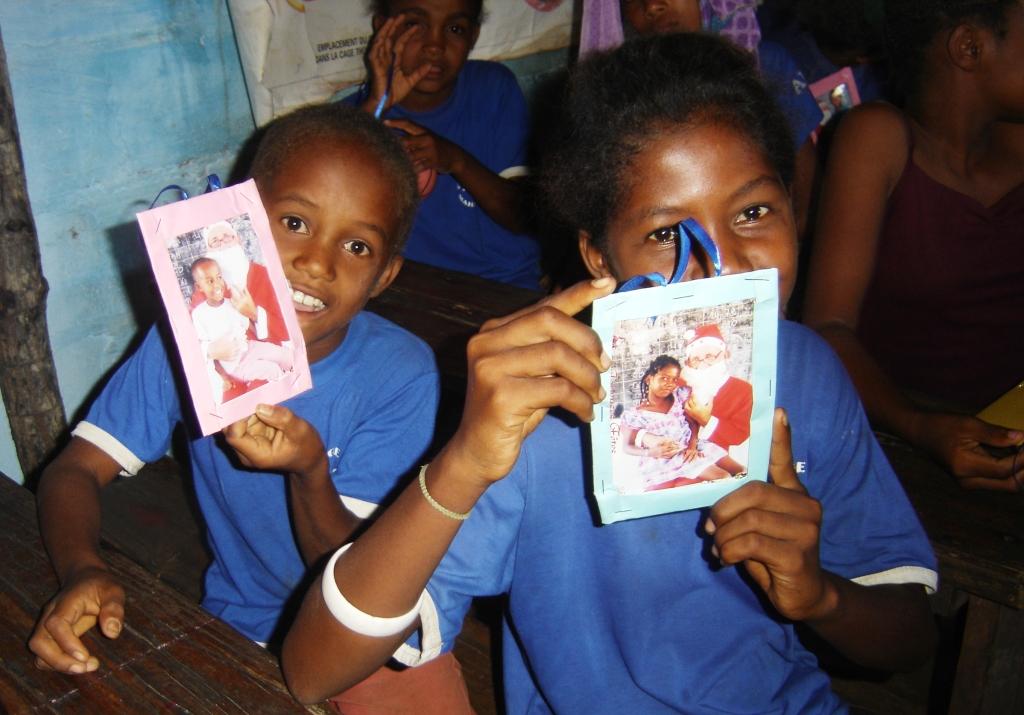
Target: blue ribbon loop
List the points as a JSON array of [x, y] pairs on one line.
[[387, 90], [689, 232], [212, 184]]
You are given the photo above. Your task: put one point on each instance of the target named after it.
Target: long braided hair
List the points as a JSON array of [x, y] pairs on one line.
[[657, 364]]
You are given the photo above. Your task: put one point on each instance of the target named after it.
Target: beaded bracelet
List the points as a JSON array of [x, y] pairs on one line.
[[457, 515], [351, 617]]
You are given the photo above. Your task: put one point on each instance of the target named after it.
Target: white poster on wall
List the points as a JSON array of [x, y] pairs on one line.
[[296, 52]]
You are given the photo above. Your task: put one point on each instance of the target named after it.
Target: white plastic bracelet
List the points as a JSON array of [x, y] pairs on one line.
[[351, 617]]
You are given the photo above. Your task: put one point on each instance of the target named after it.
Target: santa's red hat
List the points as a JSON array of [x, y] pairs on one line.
[[708, 331]]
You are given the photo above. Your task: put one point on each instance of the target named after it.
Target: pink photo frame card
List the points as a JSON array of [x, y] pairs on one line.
[[228, 302], [835, 93]]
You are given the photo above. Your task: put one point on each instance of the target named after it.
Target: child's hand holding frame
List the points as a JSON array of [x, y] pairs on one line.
[[520, 366], [274, 439], [773, 530]]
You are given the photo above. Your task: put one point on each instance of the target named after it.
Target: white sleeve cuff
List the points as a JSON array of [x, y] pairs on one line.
[[130, 464], [360, 507], [514, 172], [901, 574], [430, 637]]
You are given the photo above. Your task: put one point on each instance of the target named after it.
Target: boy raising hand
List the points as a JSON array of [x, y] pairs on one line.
[[464, 126]]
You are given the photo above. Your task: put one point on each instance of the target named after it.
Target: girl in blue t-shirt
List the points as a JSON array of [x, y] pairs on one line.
[[658, 131]]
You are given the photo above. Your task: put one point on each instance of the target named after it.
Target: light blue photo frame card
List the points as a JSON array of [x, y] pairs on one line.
[[690, 393]]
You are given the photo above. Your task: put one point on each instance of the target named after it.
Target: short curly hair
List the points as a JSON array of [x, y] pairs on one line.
[[911, 25], [383, 8], [340, 122], [616, 102]]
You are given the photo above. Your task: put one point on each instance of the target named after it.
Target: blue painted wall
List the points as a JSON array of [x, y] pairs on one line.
[[115, 100]]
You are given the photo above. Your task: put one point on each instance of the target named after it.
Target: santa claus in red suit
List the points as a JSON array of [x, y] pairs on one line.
[[719, 403]]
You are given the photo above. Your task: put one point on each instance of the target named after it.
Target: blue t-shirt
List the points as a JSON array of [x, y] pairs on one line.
[[373, 403], [637, 617], [486, 115], [789, 86], [803, 48]]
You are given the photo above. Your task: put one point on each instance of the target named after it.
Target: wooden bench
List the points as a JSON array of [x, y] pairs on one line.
[[153, 519], [978, 537], [171, 655]]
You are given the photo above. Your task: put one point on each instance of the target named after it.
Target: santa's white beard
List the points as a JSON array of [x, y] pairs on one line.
[[234, 264], [706, 381]]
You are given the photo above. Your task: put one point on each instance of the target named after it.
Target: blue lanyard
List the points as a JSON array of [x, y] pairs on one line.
[[689, 232], [387, 90], [212, 184]]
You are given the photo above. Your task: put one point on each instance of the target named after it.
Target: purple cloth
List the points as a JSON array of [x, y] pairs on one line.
[[735, 19], [601, 26]]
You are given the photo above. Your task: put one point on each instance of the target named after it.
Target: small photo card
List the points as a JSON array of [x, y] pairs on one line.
[[835, 93], [228, 302], [690, 393]]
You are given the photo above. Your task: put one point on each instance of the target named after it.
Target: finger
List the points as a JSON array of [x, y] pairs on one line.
[[65, 627], [417, 74], [1006, 484], [780, 462], [994, 435], [731, 536], [762, 496], [542, 360], [400, 43], [573, 340], [569, 301], [111, 618], [760, 573], [235, 431], [533, 397], [405, 125], [980, 465], [49, 656], [385, 35], [274, 415]]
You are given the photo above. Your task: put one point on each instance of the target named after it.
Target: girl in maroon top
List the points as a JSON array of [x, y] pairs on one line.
[[917, 275]]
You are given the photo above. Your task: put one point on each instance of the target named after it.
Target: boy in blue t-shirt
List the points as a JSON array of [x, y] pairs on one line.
[[464, 125], [340, 195]]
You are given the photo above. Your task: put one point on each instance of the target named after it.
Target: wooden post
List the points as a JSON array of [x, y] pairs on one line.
[[28, 378]]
